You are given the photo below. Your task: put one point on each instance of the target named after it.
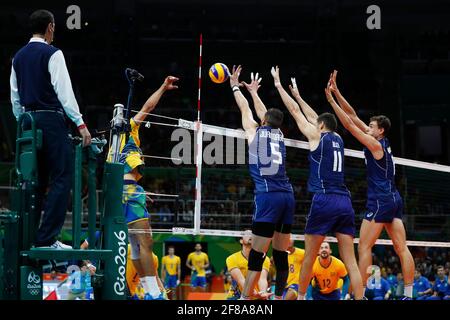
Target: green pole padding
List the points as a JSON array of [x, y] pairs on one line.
[[76, 192], [115, 233]]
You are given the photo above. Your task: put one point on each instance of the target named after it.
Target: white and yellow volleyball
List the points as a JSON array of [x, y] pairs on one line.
[[219, 73]]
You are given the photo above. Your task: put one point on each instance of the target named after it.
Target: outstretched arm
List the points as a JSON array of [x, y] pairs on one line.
[[253, 87], [309, 112], [370, 142], [343, 103], [308, 129], [153, 100], [248, 123]]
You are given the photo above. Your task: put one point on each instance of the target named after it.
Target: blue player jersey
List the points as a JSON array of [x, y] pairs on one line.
[[267, 158], [380, 174], [326, 166]]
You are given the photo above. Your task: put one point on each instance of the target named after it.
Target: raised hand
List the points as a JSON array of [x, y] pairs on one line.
[[169, 83], [254, 84], [234, 77], [275, 72], [294, 88], [332, 82], [328, 93]]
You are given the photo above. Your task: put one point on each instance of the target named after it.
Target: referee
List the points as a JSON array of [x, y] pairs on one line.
[[40, 84]]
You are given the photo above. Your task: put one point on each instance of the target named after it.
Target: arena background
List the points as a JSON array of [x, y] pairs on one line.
[[401, 70]]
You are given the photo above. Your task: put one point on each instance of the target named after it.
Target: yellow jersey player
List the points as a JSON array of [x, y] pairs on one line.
[[295, 260], [327, 271], [171, 271], [134, 196], [198, 261], [133, 281], [237, 265]]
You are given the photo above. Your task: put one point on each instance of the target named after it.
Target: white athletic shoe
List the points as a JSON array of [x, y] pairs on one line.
[[58, 245]]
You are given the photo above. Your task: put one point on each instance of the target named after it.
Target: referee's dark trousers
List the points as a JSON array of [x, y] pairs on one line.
[[54, 174]]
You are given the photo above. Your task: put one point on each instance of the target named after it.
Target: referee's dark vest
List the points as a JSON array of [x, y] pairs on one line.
[[33, 78]]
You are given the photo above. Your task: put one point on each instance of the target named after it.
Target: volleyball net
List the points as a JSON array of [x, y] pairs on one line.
[[224, 202]]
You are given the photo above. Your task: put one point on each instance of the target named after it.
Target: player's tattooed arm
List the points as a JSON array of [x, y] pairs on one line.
[[370, 142], [343, 103], [309, 112], [308, 129], [248, 122]]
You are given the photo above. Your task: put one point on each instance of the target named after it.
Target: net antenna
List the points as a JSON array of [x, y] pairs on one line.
[[121, 117]]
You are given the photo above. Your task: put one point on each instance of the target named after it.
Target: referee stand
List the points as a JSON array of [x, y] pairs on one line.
[[20, 269]]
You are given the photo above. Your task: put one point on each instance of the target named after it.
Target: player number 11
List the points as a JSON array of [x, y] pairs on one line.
[[337, 161]]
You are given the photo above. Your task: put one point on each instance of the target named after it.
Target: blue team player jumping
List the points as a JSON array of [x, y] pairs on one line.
[[274, 197], [384, 203], [331, 208]]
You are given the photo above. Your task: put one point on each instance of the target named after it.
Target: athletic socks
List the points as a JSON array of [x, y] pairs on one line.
[[301, 296], [151, 286], [408, 291]]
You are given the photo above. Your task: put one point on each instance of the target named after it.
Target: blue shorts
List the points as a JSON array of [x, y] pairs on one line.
[[292, 287], [197, 281], [274, 207], [170, 281], [385, 210], [334, 295], [329, 214]]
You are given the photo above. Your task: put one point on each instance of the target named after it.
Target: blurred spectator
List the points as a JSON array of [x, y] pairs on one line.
[[400, 286], [391, 278], [441, 285], [422, 287], [381, 291]]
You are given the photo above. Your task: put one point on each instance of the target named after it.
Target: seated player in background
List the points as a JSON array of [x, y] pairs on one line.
[[422, 287], [378, 290], [295, 259], [198, 261], [137, 292], [327, 270], [441, 287], [171, 272], [237, 265], [80, 287]]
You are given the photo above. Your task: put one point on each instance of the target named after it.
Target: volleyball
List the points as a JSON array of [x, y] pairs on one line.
[[219, 73]]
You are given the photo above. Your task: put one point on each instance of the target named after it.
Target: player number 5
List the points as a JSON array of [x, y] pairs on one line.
[[275, 151]]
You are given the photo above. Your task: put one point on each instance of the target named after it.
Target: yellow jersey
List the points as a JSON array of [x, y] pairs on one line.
[[238, 260], [171, 264], [131, 273], [327, 279], [198, 261], [295, 261], [131, 153]]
